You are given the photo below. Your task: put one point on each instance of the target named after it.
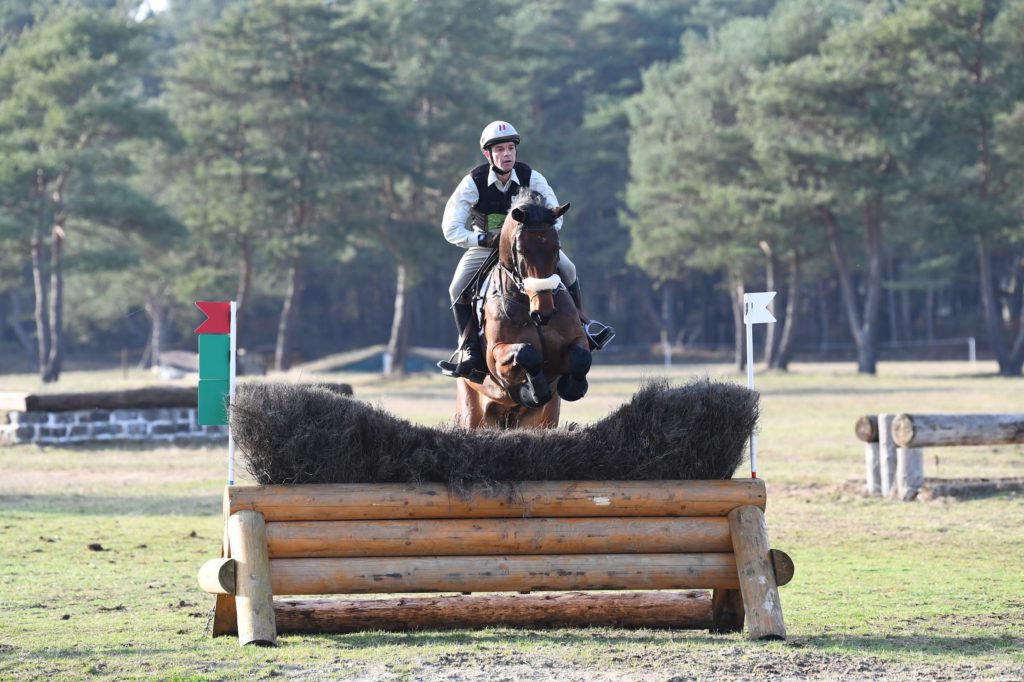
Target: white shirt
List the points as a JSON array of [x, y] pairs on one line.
[[455, 222]]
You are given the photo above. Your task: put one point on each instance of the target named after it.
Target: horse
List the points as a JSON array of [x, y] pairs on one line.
[[532, 338]]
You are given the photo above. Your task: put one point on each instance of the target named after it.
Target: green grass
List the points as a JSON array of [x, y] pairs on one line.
[[882, 589]]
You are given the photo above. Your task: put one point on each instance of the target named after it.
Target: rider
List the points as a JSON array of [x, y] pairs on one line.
[[483, 199]]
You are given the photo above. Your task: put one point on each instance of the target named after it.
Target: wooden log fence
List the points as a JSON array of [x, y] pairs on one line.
[[655, 536], [894, 443]]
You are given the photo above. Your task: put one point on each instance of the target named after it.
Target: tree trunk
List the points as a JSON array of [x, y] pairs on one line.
[[891, 305], [286, 322], [736, 289], [155, 310], [990, 307], [774, 330], [14, 321], [52, 370], [398, 344], [867, 354], [793, 304], [244, 286], [1016, 359], [667, 318], [864, 328], [41, 303]]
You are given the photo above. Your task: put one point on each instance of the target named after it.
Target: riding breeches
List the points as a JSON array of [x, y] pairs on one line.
[[475, 257]]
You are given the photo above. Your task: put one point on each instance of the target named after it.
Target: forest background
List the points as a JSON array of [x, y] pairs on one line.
[[863, 159]]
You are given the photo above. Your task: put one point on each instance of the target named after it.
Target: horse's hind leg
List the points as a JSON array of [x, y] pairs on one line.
[[573, 385]]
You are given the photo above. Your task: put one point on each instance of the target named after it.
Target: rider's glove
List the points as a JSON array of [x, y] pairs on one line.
[[489, 240]]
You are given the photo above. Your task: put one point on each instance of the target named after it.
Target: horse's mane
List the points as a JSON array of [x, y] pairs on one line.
[[533, 205]]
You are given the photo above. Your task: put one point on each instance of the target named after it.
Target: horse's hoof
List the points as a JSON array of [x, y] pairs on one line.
[[536, 392], [572, 389]]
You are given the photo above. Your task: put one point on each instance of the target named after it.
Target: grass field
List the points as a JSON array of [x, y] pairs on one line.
[[922, 590]]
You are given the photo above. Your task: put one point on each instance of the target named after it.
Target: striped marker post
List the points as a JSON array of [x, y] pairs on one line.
[[217, 353]]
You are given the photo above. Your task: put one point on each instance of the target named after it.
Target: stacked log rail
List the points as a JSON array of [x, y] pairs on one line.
[[551, 536], [898, 440]]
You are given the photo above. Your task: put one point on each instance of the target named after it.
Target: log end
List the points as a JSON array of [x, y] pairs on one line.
[[903, 430], [217, 576], [784, 567], [867, 428]]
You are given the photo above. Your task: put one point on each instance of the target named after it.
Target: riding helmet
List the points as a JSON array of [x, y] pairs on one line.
[[498, 131]]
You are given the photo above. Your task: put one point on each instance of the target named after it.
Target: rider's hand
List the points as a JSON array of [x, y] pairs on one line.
[[489, 240]]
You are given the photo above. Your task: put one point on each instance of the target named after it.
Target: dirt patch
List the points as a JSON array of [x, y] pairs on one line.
[[726, 663]]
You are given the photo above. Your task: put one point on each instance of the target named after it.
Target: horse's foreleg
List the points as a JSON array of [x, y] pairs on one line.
[[533, 390], [573, 384]]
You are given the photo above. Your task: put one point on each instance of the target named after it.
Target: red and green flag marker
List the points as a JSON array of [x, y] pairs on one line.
[[217, 346]]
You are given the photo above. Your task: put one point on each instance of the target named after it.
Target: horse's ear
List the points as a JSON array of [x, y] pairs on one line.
[[561, 210], [518, 214]]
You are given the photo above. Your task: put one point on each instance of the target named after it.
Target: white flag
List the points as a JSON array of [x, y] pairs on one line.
[[755, 308]]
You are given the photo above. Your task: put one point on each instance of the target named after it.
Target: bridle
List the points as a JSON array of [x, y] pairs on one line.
[[515, 272]]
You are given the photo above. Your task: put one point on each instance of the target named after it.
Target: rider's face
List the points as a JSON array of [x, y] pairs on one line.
[[503, 156]]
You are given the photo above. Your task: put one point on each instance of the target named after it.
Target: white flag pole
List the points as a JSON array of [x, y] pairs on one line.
[[231, 394], [750, 385], [755, 311]]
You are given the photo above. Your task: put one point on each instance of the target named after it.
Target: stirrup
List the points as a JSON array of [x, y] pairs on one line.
[[598, 334]]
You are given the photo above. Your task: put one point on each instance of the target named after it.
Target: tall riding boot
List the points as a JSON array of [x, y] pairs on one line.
[[467, 362], [598, 334]]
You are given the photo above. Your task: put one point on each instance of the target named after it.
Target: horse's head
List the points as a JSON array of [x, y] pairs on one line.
[[529, 251]]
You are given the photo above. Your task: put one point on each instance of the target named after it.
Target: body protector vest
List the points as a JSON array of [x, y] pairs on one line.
[[493, 205]]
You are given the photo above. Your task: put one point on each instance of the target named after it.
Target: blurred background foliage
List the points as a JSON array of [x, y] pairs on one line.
[[863, 159]]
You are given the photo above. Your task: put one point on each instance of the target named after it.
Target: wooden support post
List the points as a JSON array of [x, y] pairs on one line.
[[254, 600], [909, 472], [872, 470], [886, 454], [756, 574], [726, 611]]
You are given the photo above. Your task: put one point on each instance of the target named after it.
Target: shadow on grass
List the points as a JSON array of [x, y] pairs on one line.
[[99, 505], [569, 636], [923, 644], [868, 645]]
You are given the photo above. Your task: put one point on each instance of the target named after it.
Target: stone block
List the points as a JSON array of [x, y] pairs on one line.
[[53, 432], [63, 418], [124, 415], [95, 417], [24, 434], [136, 429], [163, 429], [78, 431], [30, 417], [157, 414], [107, 429]]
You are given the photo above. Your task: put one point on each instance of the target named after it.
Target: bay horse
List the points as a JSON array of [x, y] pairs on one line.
[[532, 338]]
